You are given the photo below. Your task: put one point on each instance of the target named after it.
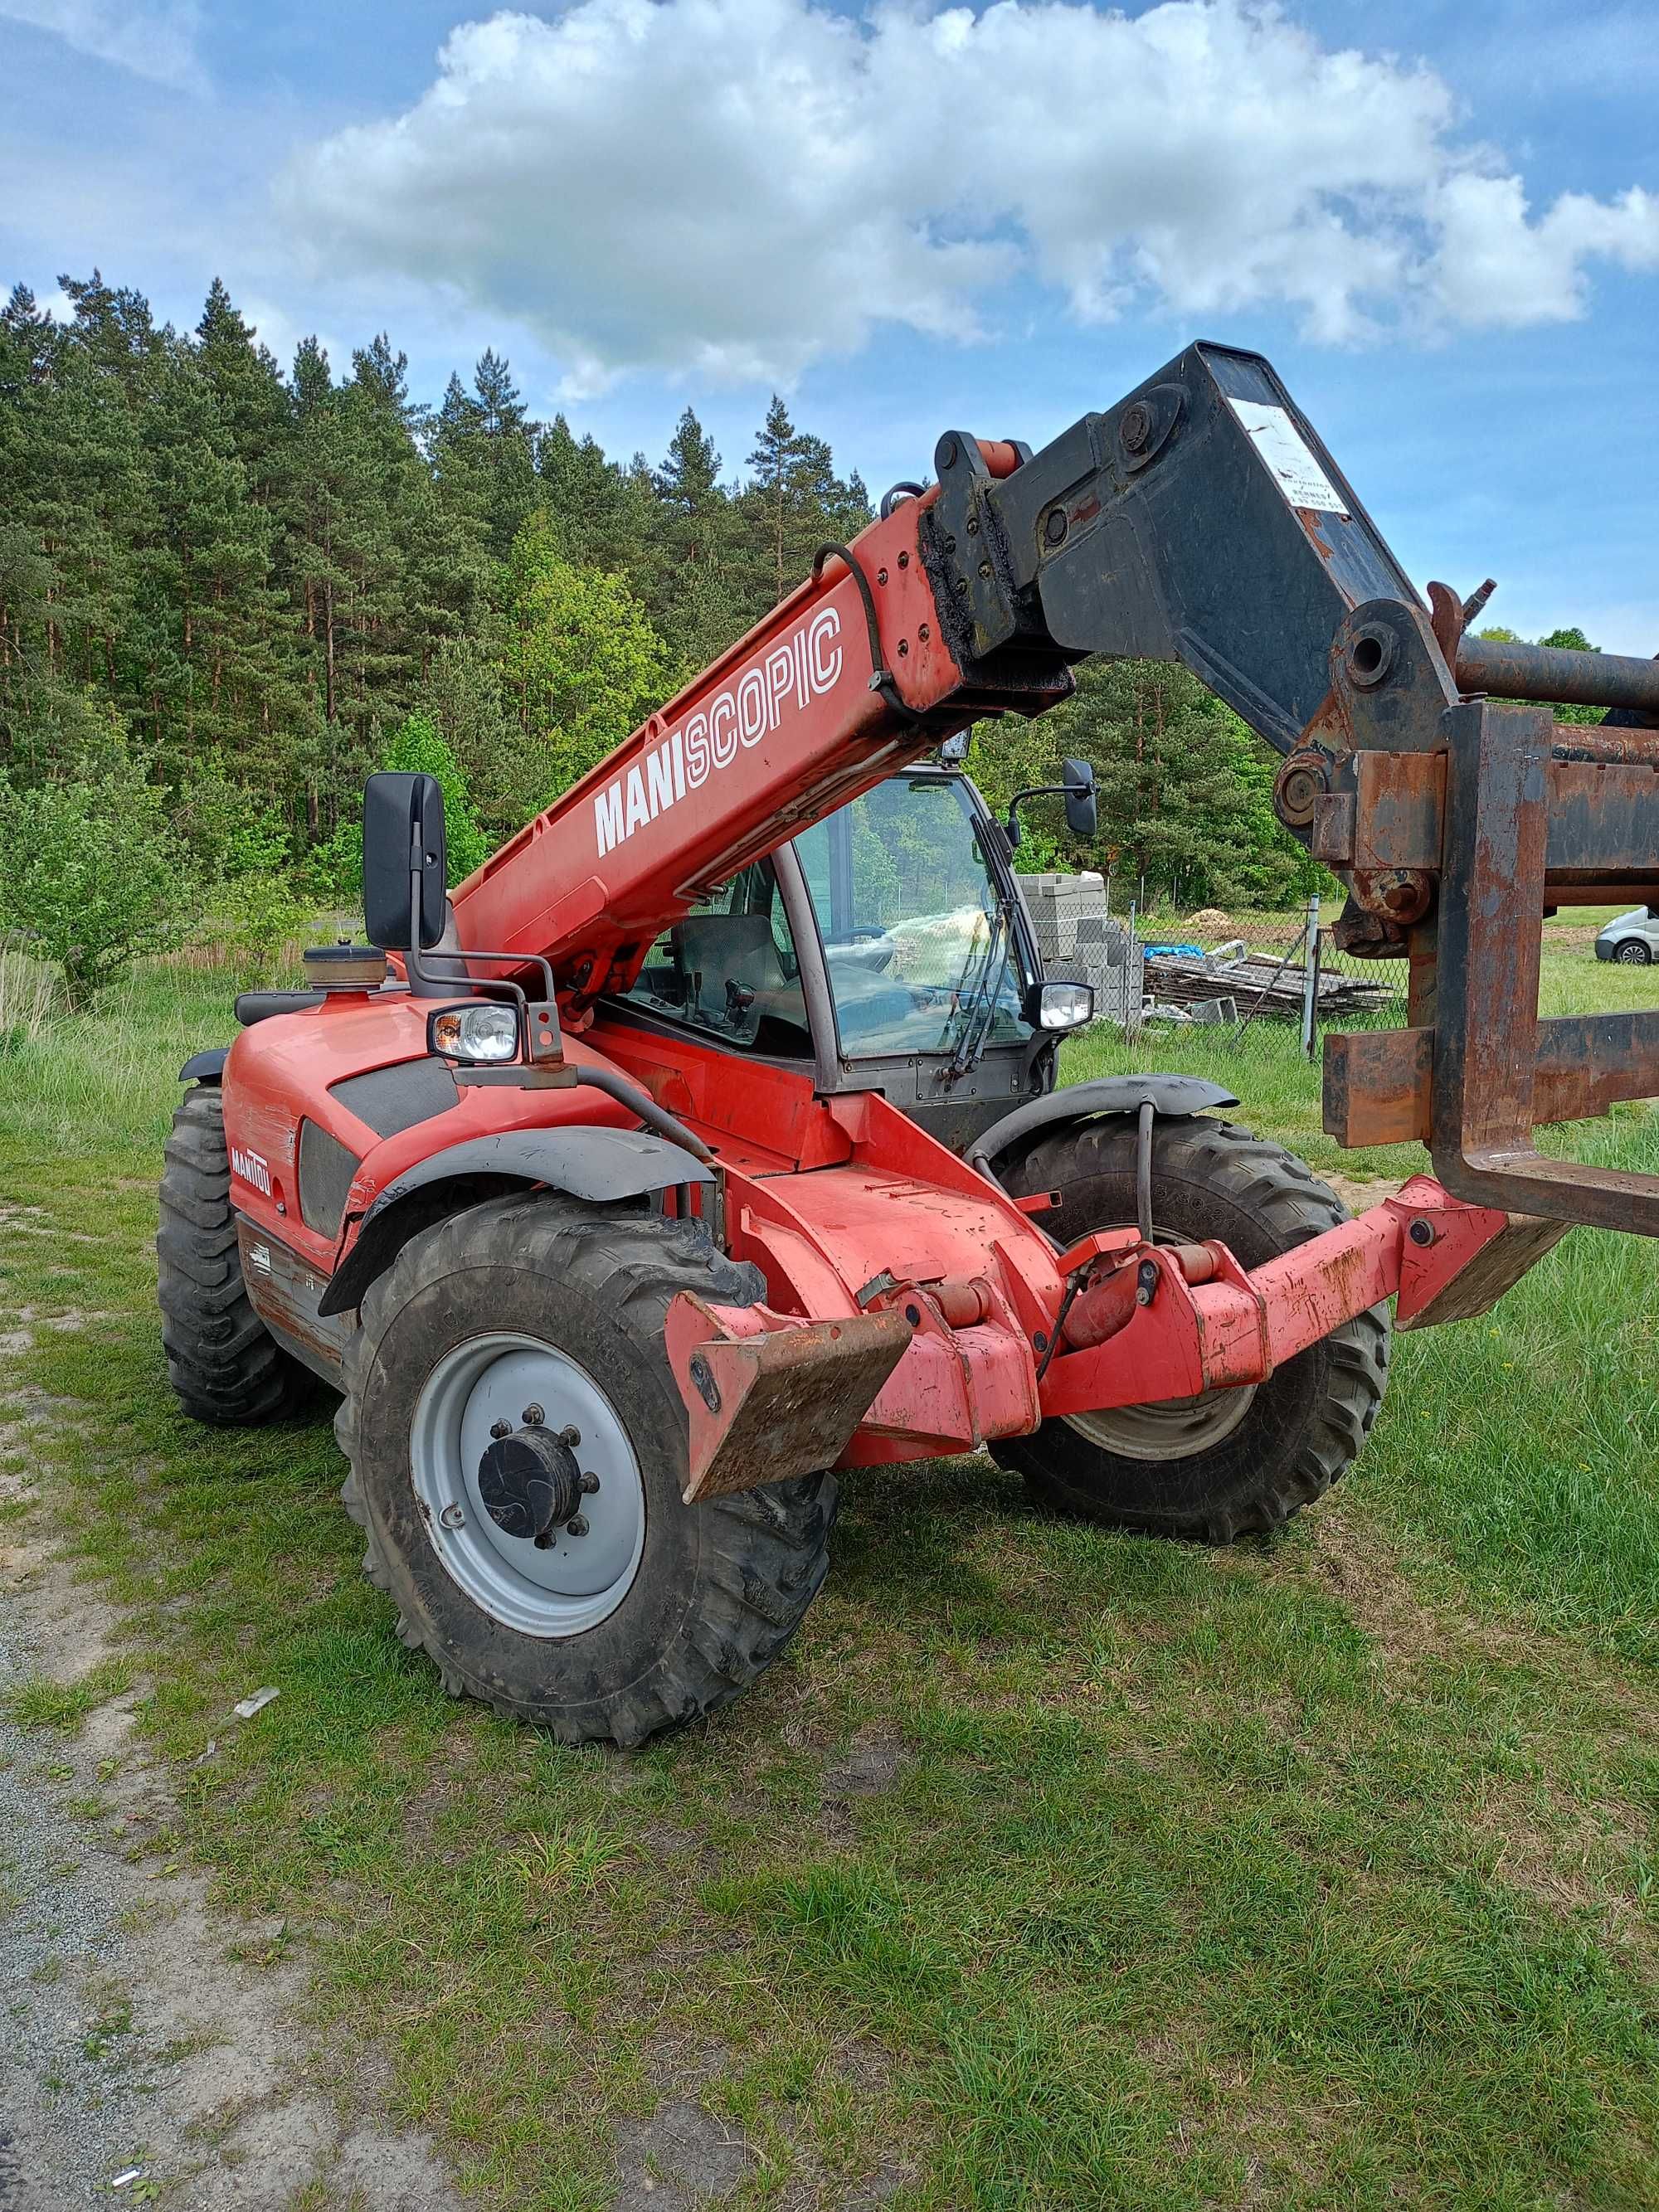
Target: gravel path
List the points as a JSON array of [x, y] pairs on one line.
[[132, 2043]]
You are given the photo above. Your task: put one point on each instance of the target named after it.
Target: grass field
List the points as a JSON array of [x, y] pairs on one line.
[[1049, 1869]]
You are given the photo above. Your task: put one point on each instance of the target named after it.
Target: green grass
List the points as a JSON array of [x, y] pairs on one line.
[[39, 1702], [1315, 1874]]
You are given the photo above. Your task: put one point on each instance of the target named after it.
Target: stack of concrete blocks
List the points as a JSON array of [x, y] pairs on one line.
[[1079, 944]]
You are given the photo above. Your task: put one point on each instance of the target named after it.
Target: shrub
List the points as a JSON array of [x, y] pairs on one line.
[[417, 750], [225, 830], [90, 871], [334, 869], [265, 919]]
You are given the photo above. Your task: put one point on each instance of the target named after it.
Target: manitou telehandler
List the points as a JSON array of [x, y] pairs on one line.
[[708, 1141]]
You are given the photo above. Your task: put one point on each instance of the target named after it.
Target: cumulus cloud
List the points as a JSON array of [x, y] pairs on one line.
[[733, 187], [157, 41]]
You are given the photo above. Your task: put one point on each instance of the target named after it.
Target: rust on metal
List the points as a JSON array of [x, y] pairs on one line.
[[1507, 668], [781, 1401], [1496, 1267], [285, 1291], [1377, 1081], [1447, 618]]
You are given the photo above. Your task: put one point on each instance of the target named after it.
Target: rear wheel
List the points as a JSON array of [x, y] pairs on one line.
[[1229, 1462], [518, 1449], [223, 1363]]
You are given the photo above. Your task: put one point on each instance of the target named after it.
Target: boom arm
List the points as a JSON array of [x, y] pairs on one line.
[[1202, 522]]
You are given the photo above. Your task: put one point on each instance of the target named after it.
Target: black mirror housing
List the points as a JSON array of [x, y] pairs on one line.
[[1082, 812], [406, 866]]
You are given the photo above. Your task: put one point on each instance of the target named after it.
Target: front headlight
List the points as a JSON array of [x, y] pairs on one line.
[[1065, 1006], [488, 1033]]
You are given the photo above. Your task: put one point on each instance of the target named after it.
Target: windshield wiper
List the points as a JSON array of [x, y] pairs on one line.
[[981, 1006]]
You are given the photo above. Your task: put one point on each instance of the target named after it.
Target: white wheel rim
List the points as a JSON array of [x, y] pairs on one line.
[[574, 1582], [1173, 1428], [1169, 1428]]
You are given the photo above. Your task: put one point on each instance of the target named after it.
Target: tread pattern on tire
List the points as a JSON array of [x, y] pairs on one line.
[[768, 1549], [225, 1366], [1293, 1205]]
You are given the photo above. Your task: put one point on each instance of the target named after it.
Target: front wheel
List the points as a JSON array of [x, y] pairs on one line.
[[225, 1366], [1227, 1462], [1632, 953], [518, 1450]]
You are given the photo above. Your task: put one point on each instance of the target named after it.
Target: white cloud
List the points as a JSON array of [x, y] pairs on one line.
[[1496, 266], [732, 187], [157, 41]]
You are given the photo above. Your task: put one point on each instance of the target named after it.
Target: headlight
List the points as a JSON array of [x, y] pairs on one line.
[[488, 1033], [1065, 1006]]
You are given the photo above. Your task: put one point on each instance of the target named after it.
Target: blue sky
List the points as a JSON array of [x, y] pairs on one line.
[[1442, 224]]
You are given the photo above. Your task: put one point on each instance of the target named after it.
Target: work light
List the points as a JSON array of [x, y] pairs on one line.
[[486, 1031], [1064, 1005]]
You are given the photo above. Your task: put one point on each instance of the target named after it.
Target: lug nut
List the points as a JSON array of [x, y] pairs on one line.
[[499, 1429], [590, 1483], [577, 1524], [570, 1438], [533, 1417]]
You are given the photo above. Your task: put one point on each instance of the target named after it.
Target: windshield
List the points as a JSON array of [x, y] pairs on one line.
[[920, 957]]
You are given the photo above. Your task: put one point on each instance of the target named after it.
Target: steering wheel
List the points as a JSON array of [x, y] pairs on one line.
[[865, 932]]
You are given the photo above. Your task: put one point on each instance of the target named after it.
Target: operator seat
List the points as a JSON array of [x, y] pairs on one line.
[[712, 951]]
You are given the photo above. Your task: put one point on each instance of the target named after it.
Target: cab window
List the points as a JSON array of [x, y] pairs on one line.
[[920, 951], [730, 969]]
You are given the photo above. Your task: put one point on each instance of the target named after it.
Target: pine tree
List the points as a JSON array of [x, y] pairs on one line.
[[694, 589], [796, 501], [483, 447], [770, 492], [600, 513], [247, 384]]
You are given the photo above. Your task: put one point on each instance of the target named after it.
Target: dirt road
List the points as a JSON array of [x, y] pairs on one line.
[[150, 2045]]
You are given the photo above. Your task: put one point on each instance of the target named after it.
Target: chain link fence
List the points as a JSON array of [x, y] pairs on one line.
[[1276, 984]]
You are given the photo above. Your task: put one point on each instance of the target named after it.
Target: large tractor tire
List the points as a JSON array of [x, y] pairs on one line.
[[509, 1354], [1229, 1462], [225, 1366]]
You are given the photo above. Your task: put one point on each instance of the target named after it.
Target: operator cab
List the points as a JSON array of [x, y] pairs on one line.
[[888, 947]]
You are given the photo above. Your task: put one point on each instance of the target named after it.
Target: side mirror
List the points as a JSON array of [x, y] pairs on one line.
[[1011, 831], [405, 869], [1077, 777]]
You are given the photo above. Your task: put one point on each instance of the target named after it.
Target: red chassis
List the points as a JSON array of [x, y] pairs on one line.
[[912, 1308]]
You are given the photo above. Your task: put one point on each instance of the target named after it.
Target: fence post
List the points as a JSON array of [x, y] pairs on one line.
[[1310, 979]]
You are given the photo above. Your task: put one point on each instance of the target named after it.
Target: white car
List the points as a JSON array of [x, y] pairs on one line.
[[1633, 940]]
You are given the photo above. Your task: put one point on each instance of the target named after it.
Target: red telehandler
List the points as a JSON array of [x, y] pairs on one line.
[[707, 1140]]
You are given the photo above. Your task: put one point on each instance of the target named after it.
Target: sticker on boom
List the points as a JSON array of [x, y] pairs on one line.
[[799, 669], [252, 1168], [1284, 450]]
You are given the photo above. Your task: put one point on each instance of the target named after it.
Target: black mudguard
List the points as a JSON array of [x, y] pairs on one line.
[[1083, 1102], [599, 1165]]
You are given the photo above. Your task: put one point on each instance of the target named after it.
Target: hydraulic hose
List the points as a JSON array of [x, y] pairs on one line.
[[639, 1102]]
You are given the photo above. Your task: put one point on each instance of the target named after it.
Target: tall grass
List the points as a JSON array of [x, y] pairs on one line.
[[30, 996]]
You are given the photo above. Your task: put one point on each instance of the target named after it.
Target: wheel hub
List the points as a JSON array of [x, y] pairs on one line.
[[530, 1483]]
